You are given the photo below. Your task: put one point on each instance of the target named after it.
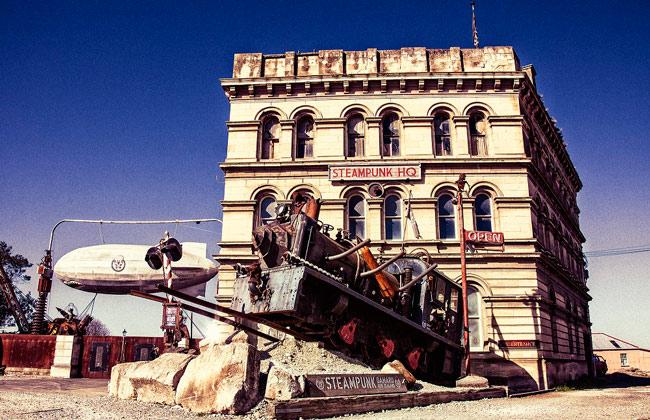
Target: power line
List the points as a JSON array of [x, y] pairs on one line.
[[618, 251]]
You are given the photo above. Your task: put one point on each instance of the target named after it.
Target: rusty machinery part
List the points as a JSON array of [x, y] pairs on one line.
[[387, 282], [334, 290], [422, 253], [212, 315], [413, 327], [302, 202], [45, 273]]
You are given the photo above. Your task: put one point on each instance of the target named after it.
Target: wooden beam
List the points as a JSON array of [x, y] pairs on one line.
[[338, 406]]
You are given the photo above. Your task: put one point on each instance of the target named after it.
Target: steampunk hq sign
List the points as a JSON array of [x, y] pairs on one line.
[[334, 384], [384, 172]]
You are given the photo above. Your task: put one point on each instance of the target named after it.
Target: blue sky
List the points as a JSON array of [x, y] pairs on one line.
[[113, 110]]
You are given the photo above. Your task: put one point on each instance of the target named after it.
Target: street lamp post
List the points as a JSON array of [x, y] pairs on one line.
[[123, 349], [461, 183]]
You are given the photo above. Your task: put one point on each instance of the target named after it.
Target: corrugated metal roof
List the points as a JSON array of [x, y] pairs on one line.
[[603, 341]]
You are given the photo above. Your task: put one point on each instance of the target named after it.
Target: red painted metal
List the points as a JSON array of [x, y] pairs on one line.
[[413, 357], [463, 268], [346, 332], [115, 346], [387, 346], [484, 238], [27, 351]]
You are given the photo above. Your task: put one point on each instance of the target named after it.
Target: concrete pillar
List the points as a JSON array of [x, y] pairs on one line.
[[67, 357]]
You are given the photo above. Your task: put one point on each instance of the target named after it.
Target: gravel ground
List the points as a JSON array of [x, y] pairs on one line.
[[620, 396], [300, 357]]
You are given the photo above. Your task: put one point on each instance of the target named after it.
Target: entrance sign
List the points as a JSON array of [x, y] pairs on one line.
[[519, 344], [484, 238], [335, 384], [374, 172]]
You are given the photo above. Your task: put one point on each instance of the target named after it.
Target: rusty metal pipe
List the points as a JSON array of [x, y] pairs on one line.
[[348, 251], [206, 313], [387, 283], [382, 266], [418, 278], [233, 312]]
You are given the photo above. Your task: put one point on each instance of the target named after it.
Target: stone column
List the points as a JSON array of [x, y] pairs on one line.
[[373, 141], [284, 147], [460, 142], [374, 222], [332, 212], [417, 139], [424, 211], [329, 142]]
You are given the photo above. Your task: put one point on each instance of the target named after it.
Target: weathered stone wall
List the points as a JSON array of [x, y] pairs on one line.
[[373, 61]]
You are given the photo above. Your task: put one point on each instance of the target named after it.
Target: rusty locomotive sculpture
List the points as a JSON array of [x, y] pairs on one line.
[[333, 290]]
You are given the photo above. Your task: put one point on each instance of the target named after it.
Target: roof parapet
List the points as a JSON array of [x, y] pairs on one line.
[[375, 62]]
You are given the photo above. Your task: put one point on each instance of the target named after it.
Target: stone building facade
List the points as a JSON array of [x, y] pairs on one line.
[[318, 121]]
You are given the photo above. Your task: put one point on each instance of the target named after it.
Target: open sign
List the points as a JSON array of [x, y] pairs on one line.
[[485, 238]]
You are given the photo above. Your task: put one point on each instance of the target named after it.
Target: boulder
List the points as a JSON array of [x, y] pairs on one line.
[[472, 381], [282, 385], [222, 379], [156, 381], [120, 384], [397, 367]]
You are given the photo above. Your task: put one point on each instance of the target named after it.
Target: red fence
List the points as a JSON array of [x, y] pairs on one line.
[[27, 351], [100, 354]]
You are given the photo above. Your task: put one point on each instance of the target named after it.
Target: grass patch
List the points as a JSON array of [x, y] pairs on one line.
[[582, 383]]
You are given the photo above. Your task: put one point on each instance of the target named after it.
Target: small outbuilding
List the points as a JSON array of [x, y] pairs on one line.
[[620, 354]]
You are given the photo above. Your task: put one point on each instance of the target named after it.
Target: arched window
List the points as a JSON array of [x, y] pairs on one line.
[[483, 213], [477, 132], [266, 210], [446, 217], [442, 134], [474, 318], [357, 216], [305, 137], [393, 217], [270, 137], [356, 132], [390, 132]]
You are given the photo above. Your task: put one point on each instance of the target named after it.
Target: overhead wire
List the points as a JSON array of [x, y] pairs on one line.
[[618, 251]]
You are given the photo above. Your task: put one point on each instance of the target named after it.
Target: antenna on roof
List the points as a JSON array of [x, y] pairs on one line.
[[474, 29]]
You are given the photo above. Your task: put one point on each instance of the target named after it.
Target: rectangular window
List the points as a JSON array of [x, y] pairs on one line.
[[624, 360], [357, 228], [393, 229], [447, 228]]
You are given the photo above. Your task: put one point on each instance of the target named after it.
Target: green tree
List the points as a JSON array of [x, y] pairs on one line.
[[15, 266]]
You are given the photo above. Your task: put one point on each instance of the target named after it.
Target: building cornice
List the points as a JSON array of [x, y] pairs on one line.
[[399, 83], [532, 102], [321, 164]]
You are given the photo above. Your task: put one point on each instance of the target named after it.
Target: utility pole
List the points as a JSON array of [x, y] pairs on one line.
[[461, 183]]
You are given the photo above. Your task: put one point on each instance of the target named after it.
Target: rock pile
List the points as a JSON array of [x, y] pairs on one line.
[[224, 379], [228, 377]]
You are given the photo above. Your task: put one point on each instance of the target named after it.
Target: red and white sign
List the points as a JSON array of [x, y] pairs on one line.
[[374, 172], [485, 238]]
